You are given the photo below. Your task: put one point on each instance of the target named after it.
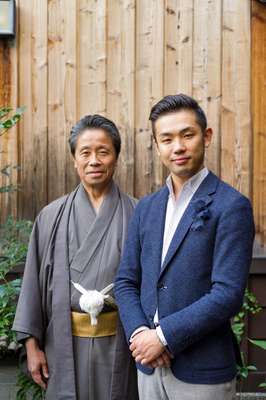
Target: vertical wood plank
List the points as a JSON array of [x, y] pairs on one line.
[[70, 91], [38, 160], [207, 69], [259, 120], [33, 95], [214, 77], [12, 148], [143, 138], [144, 156], [236, 119], [92, 57], [157, 90], [179, 46], [5, 98], [57, 143], [27, 205], [120, 84], [9, 141]]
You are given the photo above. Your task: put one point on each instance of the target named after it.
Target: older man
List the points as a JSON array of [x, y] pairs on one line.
[[66, 314]]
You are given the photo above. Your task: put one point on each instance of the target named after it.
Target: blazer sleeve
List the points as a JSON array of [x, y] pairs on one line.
[[128, 280], [231, 261]]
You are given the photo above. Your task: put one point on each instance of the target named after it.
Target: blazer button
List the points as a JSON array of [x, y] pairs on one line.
[[161, 286]]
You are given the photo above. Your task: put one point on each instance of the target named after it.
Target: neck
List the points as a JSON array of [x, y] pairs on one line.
[[179, 181], [97, 195], [177, 184]]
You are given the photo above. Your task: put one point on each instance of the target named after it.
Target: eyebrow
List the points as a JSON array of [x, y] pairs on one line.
[[188, 128], [102, 147]]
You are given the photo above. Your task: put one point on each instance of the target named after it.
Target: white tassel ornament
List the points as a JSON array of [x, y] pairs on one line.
[[92, 301]]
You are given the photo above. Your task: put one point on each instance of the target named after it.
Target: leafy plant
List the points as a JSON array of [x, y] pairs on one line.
[[250, 305], [27, 389], [14, 236], [8, 119], [262, 345]]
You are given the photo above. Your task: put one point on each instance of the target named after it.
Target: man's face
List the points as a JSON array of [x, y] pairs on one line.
[[95, 158], [181, 143]]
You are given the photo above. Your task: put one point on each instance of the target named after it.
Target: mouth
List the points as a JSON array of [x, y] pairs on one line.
[[180, 160], [94, 173]]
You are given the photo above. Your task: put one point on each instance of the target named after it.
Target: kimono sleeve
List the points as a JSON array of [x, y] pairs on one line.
[[29, 315]]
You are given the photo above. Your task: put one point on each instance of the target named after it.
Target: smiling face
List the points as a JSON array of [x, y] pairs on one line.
[[95, 158], [181, 144]]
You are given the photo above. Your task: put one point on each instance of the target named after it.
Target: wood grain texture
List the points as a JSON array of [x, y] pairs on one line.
[[179, 46], [27, 198], [236, 118], [214, 79], [259, 118], [9, 141], [143, 139], [158, 81], [92, 57], [121, 84], [207, 70], [71, 85], [118, 58], [57, 140]]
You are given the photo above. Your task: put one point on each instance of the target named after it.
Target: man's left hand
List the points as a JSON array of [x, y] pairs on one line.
[[146, 346]]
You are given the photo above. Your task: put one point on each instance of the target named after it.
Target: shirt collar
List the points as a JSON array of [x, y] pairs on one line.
[[191, 184]]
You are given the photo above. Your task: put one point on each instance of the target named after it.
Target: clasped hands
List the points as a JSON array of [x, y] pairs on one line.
[[148, 350]]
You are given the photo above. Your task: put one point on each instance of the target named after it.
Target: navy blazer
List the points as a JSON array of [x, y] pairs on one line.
[[201, 283]]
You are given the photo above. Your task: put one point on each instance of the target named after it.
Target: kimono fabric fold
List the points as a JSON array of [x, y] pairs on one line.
[[71, 242]]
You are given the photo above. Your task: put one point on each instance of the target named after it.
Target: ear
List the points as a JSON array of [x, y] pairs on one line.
[[208, 137], [75, 163]]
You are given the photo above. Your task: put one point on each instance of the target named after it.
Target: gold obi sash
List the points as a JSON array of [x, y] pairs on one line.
[[81, 324]]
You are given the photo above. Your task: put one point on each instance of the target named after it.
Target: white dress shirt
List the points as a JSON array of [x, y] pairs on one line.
[[176, 207]]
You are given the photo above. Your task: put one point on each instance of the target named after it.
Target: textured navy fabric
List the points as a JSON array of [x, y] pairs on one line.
[[201, 283]]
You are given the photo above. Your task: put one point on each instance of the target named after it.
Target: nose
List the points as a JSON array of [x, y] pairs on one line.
[[179, 146], [93, 160]]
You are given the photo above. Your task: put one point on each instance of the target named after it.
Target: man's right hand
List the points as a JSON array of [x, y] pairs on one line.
[[37, 363]]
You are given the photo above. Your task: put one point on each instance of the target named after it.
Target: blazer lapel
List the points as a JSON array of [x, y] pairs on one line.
[[156, 231], [207, 187]]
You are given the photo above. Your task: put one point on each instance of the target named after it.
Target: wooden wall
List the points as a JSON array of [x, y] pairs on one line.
[[259, 117], [117, 58]]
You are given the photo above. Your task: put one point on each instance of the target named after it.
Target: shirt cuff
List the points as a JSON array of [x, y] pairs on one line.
[[138, 330], [161, 335]]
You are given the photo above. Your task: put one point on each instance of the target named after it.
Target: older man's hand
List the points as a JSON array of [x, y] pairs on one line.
[[37, 363], [147, 349]]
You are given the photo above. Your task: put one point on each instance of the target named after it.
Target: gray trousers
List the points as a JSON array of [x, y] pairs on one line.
[[163, 385]]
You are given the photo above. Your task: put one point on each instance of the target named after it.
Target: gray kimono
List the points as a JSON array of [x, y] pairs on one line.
[[71, 242]]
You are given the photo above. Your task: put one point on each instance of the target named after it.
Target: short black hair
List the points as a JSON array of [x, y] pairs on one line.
[[92, 122], [174, 103]]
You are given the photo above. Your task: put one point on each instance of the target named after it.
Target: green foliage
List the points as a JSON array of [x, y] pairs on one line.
[[250, 306], [14, 236], [7, 119], [259, 343], [27, 389], [262, 345]]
